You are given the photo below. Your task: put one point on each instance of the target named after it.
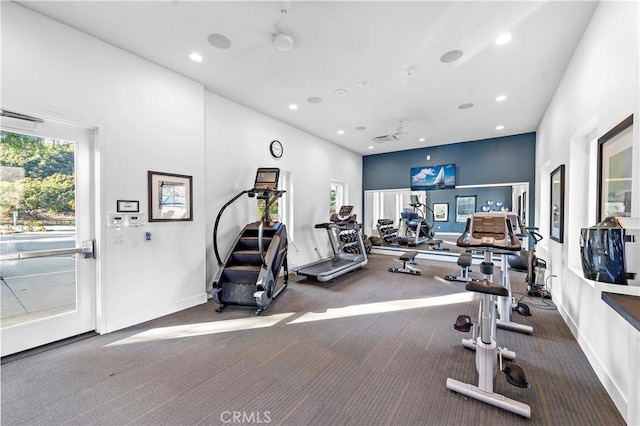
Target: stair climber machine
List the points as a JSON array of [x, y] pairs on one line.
[[248, 275], [489, 233], [349, 252]]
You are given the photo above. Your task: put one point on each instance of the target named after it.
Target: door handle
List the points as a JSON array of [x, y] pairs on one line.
[[87, 250]]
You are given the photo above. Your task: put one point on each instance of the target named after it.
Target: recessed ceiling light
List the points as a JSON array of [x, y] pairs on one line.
[[314, 100], [421, 140], [370, 146], [503, 39], [363, 84], [219, 41], [293, 107], [361, 128], [499, 127], [501, 98], [341, 132], [451, 56], [340, 92], [195, 57], [466, 106]]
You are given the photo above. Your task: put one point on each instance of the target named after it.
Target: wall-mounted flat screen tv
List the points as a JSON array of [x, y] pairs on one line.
[[433, 177]]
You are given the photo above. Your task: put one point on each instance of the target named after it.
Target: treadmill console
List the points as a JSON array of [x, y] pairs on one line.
[[489, 230], [344, 216]]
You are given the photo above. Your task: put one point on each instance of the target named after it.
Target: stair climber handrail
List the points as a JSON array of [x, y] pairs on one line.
[[263, 219], [215, 228]]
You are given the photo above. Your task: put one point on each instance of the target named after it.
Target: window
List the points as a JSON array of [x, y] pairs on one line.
[[280, 210], [336, 196]]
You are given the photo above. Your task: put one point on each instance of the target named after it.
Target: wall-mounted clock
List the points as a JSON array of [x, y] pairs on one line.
[[276, 149]]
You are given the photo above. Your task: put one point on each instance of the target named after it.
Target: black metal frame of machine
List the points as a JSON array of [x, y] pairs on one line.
[[248, 275], [349, 252]]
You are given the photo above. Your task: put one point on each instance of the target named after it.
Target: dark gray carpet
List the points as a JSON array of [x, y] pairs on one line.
[[325, 354]]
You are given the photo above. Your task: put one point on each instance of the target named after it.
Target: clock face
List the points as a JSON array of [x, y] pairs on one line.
[[276, 149]]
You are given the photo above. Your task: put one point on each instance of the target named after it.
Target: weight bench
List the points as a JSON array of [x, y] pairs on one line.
[[435, 245], [408, 260], [464, 261]]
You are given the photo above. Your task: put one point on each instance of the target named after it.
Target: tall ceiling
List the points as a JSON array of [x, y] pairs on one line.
[[366, 68]]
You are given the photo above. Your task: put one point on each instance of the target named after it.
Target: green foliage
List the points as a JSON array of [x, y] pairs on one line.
[[31, 225], [11, 195], [333, 203], [54, 194], [38, 174], [273, 210], [39, 158]]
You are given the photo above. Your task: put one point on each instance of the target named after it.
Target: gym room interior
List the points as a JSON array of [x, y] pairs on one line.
[[197, 125]]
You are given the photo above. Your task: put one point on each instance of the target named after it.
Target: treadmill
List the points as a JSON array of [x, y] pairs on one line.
[[348, 248]]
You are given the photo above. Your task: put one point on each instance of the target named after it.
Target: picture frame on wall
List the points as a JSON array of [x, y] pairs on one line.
[[557, 204], [440, 212], [615, 168], [170, 197], [465, 207]]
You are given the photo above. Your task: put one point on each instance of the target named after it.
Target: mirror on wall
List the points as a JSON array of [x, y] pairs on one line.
[[451, 205]]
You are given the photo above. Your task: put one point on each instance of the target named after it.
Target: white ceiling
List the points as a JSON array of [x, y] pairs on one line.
[[339, 44]]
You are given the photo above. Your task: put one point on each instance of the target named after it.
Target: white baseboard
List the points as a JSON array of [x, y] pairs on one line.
[[156, 312], [617, 396]]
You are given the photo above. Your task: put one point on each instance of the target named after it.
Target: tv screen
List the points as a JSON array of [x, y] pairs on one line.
[[433, 177]]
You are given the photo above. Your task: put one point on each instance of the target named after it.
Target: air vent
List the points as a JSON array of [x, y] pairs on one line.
[[18, 116], [385, 138]]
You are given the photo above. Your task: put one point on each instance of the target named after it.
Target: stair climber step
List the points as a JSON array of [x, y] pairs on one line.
[[238, 293], [251, 243], [244, 274], [245, 258]]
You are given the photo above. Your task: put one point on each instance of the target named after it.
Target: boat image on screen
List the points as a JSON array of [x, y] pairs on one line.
[[433, 177]]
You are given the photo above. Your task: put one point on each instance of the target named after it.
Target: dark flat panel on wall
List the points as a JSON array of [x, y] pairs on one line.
[[500, 160]]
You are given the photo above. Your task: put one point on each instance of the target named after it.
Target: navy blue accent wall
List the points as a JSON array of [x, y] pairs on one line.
[[488, 161], [493, 193]]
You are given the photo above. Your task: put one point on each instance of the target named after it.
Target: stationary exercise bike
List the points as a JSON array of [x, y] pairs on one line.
[[489, 232]]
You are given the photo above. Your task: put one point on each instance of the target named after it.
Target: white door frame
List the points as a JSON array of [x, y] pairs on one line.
[[20, 337]]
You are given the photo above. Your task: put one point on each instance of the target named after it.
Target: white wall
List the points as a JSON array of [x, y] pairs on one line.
[[599, 89], [147, 118], [238, 143]]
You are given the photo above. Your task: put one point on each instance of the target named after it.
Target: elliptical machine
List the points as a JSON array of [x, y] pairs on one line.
[[489, 232], [414, 228], [248, 275]]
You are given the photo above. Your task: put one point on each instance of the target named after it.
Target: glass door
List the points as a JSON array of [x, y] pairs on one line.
[[47, 265]]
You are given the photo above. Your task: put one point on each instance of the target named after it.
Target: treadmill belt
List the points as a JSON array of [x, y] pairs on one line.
[[324, 268]]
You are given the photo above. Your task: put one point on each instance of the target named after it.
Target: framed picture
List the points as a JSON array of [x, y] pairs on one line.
[[440, 212], [128, 206], [465, 207], [170, 197], [557, 204], [615, 162]]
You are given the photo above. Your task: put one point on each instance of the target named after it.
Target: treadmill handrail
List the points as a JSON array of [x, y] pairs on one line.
[[215, 228]]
